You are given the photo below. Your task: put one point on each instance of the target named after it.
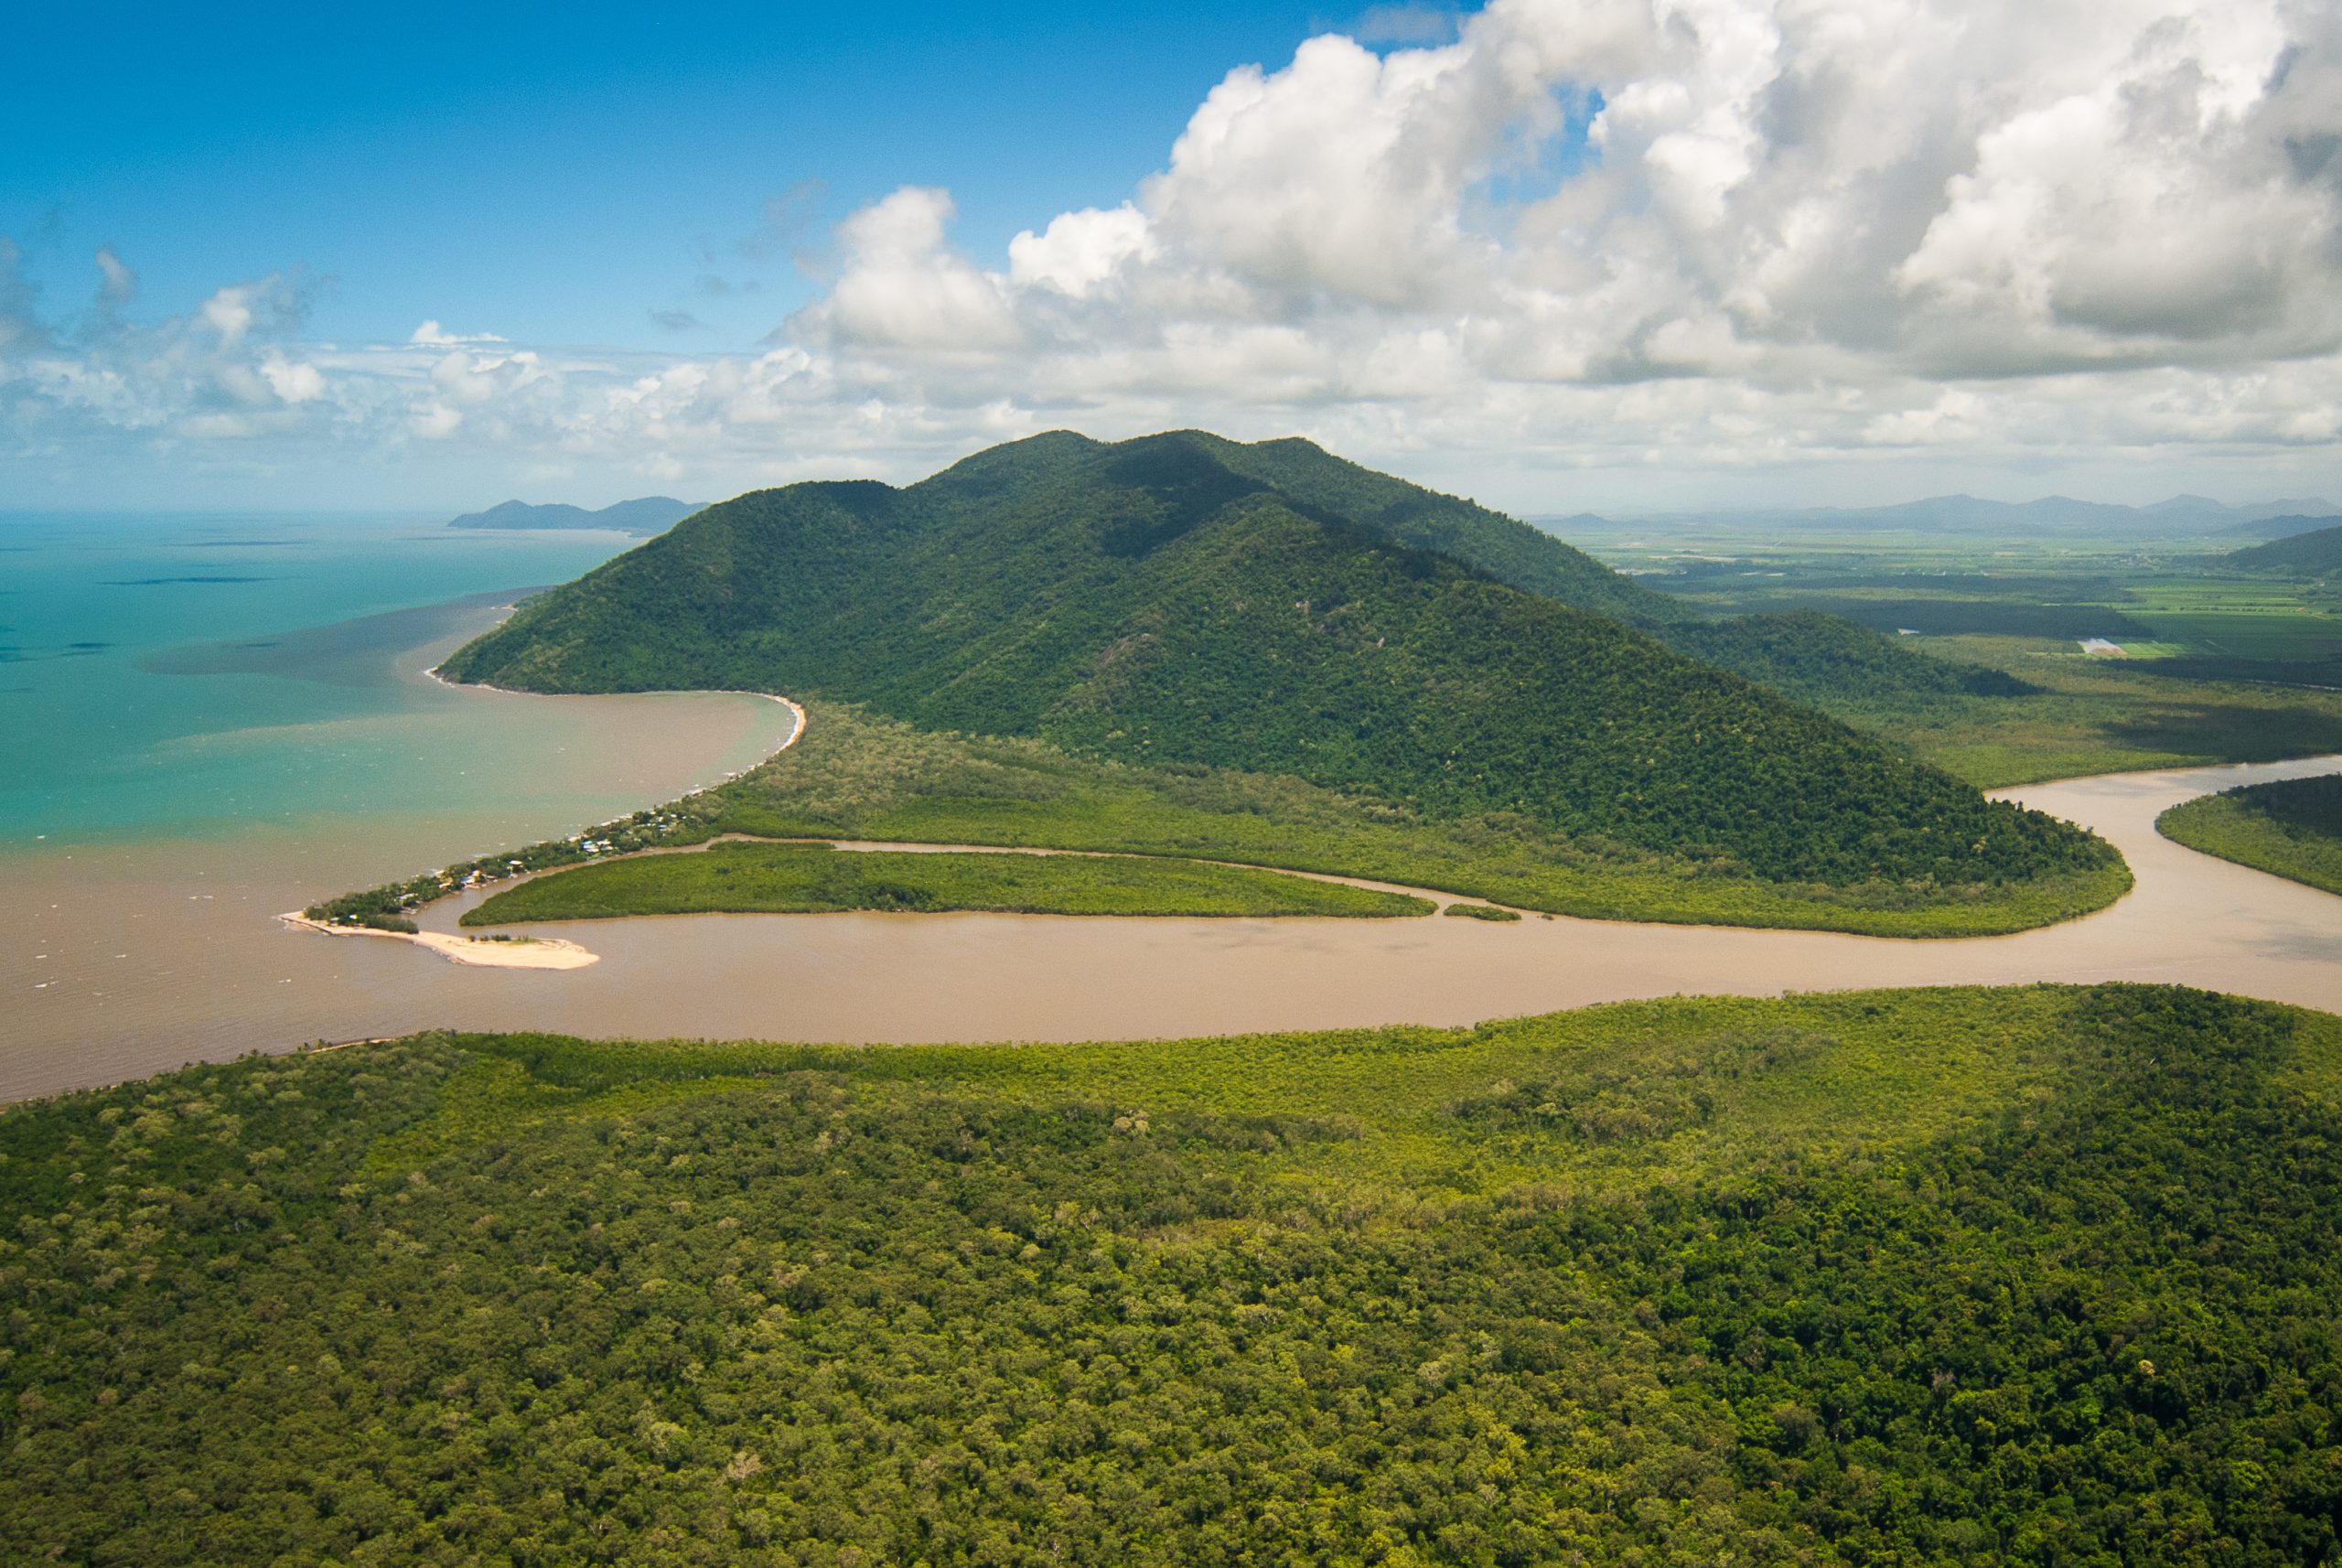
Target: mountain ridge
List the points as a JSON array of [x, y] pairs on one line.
[[2311, 553]]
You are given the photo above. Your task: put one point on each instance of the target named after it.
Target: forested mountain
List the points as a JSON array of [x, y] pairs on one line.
[[2314, 554], [645, 515], [1181, 599], [2288, 524]]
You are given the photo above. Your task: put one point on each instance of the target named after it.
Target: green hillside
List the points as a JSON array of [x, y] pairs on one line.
[[1182, 600], [2317, 554], [1944, 1277]]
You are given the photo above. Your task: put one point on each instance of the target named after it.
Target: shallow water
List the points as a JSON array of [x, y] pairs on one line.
[[191, 676], [164, 956], [195, 745]]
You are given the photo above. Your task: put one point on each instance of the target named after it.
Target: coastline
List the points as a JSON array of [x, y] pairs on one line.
[[530, 952], [795, 710]]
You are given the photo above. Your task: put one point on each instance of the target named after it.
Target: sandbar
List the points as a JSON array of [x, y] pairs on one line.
[[487, 952]]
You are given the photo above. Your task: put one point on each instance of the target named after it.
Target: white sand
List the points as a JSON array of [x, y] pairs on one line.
[[518, 953]]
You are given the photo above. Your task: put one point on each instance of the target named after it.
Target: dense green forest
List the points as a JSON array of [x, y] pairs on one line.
[[2291, 828], [1958, 1277], [796, 878], [1184, 600]]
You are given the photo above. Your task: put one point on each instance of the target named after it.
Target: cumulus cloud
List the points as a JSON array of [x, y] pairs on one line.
[[1802, 227], [292, 382], [1554, 235], [901, 287], [1079, 250], [431, 334]]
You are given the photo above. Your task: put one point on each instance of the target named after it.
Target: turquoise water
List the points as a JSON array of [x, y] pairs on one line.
[[175, 675]]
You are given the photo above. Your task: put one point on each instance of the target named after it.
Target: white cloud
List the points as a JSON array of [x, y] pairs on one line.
[[293, 383], [902, 287], [1079, 250], [433, 421], [229, 313], [1714, 237], [474, 378], [431, 334], [118, 282]]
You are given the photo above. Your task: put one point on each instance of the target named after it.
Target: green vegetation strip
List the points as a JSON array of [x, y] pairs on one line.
[[1482, 912], [1925, 1277], [750, 878], [856, 776], [2291, 828]]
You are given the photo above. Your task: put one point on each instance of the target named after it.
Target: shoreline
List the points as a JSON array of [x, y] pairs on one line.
[[515, 952], [886, 979], [538, 953], [795, 708]]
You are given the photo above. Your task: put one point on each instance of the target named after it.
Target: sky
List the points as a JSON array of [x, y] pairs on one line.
[[1622, 256]]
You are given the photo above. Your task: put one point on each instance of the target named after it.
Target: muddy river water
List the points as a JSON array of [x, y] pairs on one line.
[[219, 977]]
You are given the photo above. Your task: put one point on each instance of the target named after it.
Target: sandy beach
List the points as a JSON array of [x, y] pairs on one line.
[[487, 952], [517, 951]]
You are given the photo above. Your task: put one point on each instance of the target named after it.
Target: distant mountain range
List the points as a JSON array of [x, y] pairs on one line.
[[2180, 517], [646, 516]]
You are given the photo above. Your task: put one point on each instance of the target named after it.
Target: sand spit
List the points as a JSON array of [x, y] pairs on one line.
[[485, 952], [516, 951]]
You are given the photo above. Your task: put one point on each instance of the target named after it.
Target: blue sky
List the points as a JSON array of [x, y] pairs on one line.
[[556, 174], [1559, 255]]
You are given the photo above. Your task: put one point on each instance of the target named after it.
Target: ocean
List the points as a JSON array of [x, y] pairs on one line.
[[186, 675], [212, 719]]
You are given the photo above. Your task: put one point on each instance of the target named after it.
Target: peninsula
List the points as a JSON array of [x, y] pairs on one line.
[[1191, 647]]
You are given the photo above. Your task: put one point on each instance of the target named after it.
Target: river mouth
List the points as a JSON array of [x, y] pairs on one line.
[[131, 953], [230, 982], [871, 978], [134, 956]]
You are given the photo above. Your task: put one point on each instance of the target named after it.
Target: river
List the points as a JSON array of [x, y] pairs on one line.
[[209, 974]]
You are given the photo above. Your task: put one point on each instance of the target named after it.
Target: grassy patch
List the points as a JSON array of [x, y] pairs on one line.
[[2221, 666], [750, 878], [2291, 828], [1481, 912]]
